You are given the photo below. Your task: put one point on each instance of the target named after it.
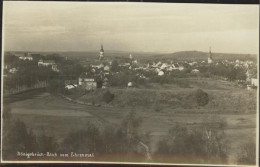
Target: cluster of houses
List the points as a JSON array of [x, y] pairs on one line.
[[49, 63], [30, 57], [25, 56], [102, 69]]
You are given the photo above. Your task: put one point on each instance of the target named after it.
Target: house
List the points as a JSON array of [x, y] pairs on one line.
[[70, 87], [55, 68], [163, 66], [107, 68], [254, 82], [195, 71], [71, 82], [160, 73], [13, 70], [27, 57], [99, 66], [105, 83], [125, 65], [169, 68], [24, 56], [181, 67], [158, 64], [134, 61], [87, 82], [193, 63], [42, 62], [175, 66], [47, 63], [130, 84]]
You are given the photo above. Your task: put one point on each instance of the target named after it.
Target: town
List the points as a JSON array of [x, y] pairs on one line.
[[127, 72]]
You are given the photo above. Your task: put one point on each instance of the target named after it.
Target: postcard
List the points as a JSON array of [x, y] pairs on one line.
[[130, 83]]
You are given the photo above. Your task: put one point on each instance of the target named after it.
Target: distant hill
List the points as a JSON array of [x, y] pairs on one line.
[[148, 56], [198, 55]]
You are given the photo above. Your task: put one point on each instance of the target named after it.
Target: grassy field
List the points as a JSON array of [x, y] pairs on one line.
[[224, 97], [55, 116]]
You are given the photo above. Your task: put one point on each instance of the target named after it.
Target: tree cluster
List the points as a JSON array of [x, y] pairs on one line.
[[208, 140], [225, 70]]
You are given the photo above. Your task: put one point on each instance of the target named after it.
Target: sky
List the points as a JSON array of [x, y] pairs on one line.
[[134, 27]]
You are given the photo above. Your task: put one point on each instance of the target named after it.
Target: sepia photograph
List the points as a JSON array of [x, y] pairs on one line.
[[130, 83]]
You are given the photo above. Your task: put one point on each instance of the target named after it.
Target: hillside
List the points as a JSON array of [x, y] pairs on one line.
[[147, 56], [198, 55]]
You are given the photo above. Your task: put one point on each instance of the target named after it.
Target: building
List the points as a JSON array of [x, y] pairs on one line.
[[47, 63], [13, 70], [24, 56], [181, 67], [106, 68], [254, 82], [71, 82], [160, 73], [210, 60], [87, 82], [195, 71], [101, 54], [163, 66]]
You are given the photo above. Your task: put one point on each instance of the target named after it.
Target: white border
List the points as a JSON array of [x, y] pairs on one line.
[[104, 162]]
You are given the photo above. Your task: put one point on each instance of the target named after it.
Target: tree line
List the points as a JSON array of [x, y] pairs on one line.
[[29, 73]]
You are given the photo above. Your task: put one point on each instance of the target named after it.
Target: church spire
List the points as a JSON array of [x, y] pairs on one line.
[[101, 50], [101, 54], [210, 56]]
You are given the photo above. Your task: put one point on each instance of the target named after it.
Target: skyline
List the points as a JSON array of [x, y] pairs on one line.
[[130, 27]]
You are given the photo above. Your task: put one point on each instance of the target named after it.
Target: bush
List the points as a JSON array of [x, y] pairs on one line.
[[119, 79], [201, 97], [204, 141], [108, 96]]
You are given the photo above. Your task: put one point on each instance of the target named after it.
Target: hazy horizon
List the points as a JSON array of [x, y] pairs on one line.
[[125, 51], [130, 27]]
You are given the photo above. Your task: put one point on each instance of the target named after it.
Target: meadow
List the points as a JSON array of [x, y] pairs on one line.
[[55, 116]]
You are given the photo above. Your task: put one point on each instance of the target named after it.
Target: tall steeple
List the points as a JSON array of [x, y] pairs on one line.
[[101, 55], [210, 56]]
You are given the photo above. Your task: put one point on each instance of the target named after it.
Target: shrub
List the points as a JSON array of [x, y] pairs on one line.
[[201, 97], [108, 96], [203, 141], [119, 79]]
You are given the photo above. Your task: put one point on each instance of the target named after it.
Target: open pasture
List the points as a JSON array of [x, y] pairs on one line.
[[55, 116]]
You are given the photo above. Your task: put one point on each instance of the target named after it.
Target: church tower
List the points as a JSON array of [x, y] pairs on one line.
[[210, 57], [101, 55]]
